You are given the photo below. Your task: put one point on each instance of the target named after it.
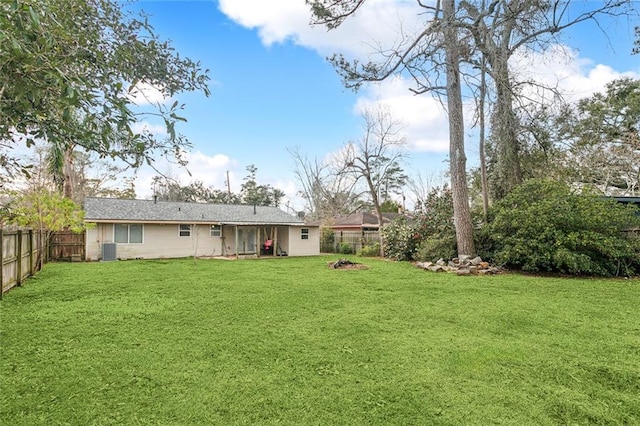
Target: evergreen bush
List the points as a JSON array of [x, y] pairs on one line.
[[346, 248], [543, 225], [399, 239], [435, 230]]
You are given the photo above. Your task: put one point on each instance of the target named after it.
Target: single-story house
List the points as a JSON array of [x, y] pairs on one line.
[[356, 222], [357, 230], [150, 229]]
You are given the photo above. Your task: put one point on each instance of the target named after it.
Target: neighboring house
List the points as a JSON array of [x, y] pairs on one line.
[[356, 222], [160, 229], [357, 230]]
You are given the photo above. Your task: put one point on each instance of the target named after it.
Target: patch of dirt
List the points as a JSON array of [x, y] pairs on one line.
[[346, 264]]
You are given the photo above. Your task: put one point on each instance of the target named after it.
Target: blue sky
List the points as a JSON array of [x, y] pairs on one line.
[[272, 88]]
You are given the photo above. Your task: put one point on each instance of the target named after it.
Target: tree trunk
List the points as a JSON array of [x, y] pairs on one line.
[[68, 173], [509, 173], [457, 157], [376, 205], [483, 158]]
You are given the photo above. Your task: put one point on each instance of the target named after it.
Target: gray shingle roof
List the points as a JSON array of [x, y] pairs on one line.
[[112, 209]]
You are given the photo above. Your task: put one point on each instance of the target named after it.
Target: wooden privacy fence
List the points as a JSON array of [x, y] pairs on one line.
[[67, 245], [19, 255]]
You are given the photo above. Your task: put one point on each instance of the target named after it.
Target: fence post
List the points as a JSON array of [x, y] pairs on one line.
[[19, 259], [1, 262], [31, 254], [47, 242]]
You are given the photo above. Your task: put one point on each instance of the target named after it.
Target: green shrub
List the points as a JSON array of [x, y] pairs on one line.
[[435, 231], [431, 233], [327, 240], [370, 250], [399, 239], [544, 226], [346, 248], [431, 249]]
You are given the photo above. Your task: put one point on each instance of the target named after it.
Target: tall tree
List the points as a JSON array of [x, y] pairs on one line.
[[168, 189], [60, 159], [375, 158], [69, 70], [604, 132], [262, 195], [424, 56], [490, 31], [457, 157], [327, 192], [500, 29]]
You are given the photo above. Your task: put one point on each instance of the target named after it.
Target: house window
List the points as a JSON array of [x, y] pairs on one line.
[[304, 233], [125, 233], [184, 230], [216, 230]]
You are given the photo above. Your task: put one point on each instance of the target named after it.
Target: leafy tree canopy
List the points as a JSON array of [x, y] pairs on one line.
[[69, 70], [261, 195], [545, 226], [251, 192], [169, 190], [44, 210]]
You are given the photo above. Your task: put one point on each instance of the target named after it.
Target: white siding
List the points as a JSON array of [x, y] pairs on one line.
[[163, 241], [159, 241], [300, 247]]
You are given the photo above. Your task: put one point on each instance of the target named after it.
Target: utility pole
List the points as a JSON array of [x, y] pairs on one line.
[[228, 188]]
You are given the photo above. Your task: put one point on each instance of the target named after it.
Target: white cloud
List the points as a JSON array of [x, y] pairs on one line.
[[561, 67], [425, 120], [211, 170], [144, 126], [277, 21], [146, 94]]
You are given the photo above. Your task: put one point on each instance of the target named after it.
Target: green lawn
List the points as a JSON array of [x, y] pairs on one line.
[[291, 341]]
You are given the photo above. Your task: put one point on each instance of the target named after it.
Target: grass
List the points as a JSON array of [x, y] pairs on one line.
[[290, 341]]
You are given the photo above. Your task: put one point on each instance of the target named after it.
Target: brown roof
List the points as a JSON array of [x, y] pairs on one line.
[[356, 220]]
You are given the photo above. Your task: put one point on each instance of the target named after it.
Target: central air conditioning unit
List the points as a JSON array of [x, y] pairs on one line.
[[109, 252]]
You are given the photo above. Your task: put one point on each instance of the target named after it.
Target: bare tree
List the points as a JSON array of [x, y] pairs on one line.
[[327, 192], [375, 158], [421, 185]]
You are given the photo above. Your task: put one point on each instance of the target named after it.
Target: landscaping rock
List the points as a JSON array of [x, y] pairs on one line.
[[463, 265]]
